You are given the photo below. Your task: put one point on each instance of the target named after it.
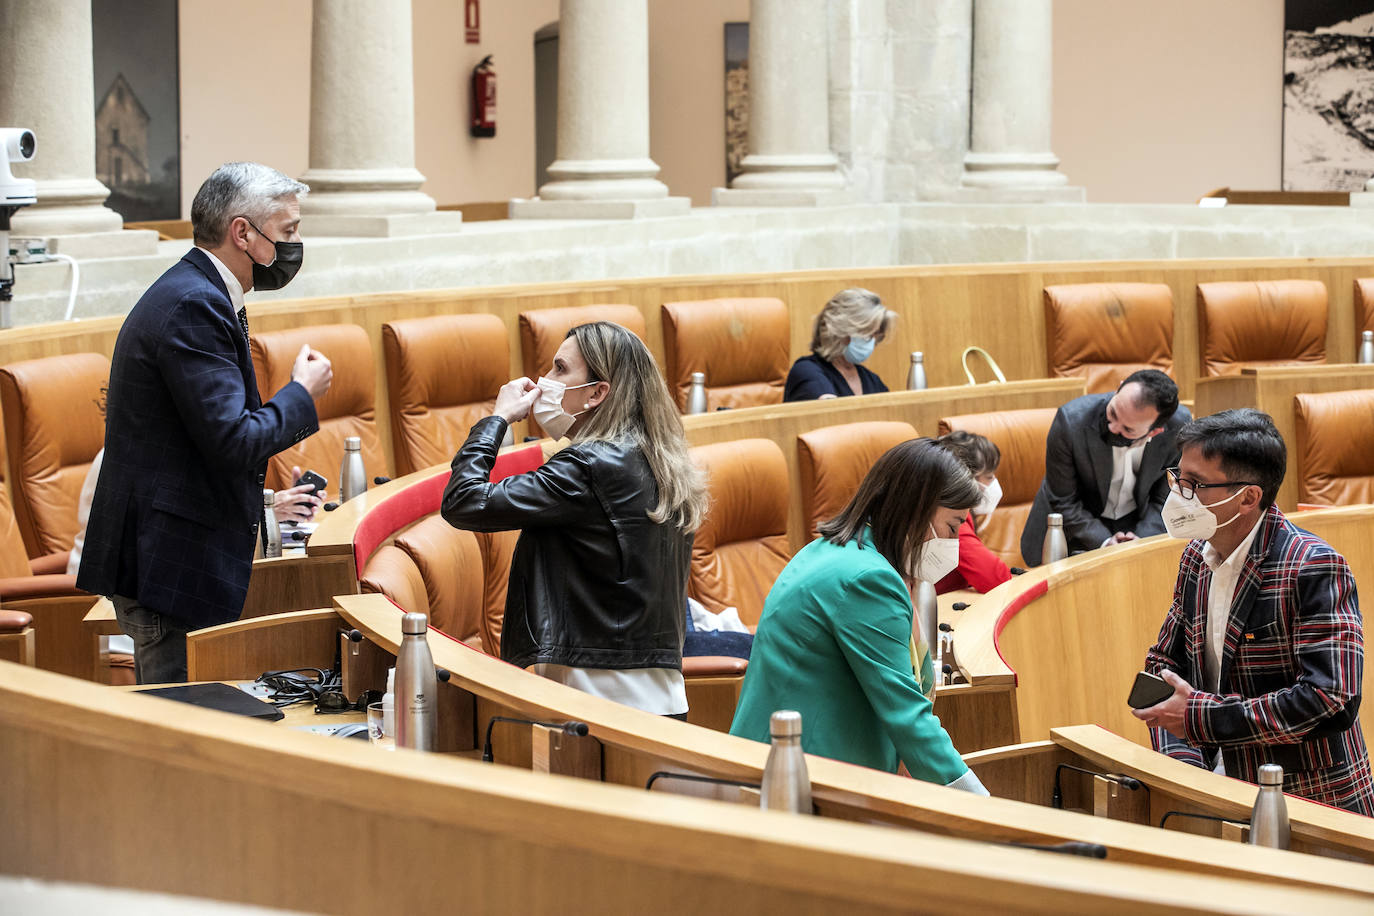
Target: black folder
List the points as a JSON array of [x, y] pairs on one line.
[[223, 697]]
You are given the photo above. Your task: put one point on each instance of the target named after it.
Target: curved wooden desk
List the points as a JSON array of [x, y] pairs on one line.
[[107, 787]]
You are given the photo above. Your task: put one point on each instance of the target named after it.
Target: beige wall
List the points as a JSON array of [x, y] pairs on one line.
[[1161, 102], [1153, 103]]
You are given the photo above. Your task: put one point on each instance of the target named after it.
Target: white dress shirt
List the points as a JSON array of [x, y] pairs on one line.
[[1125, 467], [231, 282], [1221, 594], [661, 691]]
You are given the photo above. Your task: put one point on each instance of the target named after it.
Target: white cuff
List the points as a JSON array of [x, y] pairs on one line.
[[969, 783]]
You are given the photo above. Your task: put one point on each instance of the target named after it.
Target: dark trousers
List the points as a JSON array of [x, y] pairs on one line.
[[159, 642]]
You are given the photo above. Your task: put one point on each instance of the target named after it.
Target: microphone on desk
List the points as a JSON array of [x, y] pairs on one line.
[[381, 480], [574, 728], [1071, 848], [959, 606], [1017, 571], [330, 507], [1126, 782]]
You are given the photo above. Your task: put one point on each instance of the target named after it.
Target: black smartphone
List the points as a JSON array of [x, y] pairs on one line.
[[1148, 690], [313, 479]]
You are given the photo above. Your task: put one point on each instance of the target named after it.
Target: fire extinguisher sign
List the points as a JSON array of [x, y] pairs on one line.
[[472, 21]]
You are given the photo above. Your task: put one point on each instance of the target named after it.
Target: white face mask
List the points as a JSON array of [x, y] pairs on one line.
[[938, 558], [1189, 519], [992, 495], [548, 411]]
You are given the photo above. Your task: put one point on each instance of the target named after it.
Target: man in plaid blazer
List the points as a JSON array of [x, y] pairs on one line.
[[179, 497], [1265, 622]]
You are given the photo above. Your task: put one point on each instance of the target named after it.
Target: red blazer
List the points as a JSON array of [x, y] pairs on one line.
[[979, 568]]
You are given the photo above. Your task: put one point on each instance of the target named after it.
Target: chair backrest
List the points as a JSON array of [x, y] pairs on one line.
[[1102, 332], [832, 462], [54, 426], [741, 345], [542, 332], [450, 565], [1269, 323], [349, 408], [391, 572], [1335, 447], [1020, 436], [442, 374], [497, 547], [1364, 306], [742, 546]]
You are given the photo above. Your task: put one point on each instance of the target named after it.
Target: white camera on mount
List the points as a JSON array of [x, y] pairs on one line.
[[16, 145]]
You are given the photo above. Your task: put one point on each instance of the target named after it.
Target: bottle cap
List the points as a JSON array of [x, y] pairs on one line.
[[414, 624], [1270, 774], [918, 356], [785, 723], [698, 377], [1055, 519], [267, 498], [353, 443]]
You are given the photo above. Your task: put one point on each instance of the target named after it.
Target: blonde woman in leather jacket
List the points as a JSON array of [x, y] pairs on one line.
[[598, 583]]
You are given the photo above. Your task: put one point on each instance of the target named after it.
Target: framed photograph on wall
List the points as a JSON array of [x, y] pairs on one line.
[[736, 97], [1328, 95], [138, 107]]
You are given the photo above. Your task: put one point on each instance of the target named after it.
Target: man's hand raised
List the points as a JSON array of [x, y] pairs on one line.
[[313, 370]]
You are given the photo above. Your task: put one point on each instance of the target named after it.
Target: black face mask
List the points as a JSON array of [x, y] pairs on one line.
[[1115, 439], [284, 266]]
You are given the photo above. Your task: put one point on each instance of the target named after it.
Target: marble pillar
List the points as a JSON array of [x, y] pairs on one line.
[[602, 169], [1009, 156], [790, 162], [47, 85], [362, 175]]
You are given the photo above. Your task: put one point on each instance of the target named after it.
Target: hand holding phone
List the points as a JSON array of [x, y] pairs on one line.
[[312, 479], [1148, 690]]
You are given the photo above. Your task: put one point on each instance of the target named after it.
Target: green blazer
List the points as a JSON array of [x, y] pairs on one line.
[[834, 643]]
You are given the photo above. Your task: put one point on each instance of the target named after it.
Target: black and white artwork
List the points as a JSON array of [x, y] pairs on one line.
[[137, 107], [1328, 95], [736, 97]]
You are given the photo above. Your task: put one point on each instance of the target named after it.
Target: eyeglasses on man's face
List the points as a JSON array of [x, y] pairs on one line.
[[1187, 487]]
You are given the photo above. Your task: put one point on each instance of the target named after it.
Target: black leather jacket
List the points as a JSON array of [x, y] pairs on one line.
[[593, 583]]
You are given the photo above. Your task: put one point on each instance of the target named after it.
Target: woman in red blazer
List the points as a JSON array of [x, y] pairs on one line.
[[979, 568]]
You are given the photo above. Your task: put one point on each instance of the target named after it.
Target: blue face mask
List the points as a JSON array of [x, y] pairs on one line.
[[859, 349]]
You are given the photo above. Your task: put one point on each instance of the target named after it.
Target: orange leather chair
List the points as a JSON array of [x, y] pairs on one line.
[[1364, 307], [741, 345], [497, 548], [450, 566], [1020, 436], [442, 374], [390, 571], [1335, 447], [54, 426], [349, 409], [833, 460], [1102, 332], [1270, 323], [742, 546], [542, 332]]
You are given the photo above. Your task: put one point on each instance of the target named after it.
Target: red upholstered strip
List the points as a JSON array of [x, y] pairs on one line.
[[1023, 599], [423, 498]]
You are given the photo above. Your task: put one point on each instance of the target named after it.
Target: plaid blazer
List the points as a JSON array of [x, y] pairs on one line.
[[1291, 668]]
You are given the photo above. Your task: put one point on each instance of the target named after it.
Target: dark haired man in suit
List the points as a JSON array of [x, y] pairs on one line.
[[1265, 622], [1104, 465], [179, 497]]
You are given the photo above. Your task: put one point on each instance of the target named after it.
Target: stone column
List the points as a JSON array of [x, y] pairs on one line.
[[1009, 156], [47, 85], [790, 162], [603, 169], [362, 174]]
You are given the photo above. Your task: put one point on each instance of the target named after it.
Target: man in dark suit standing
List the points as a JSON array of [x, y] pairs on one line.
[[1264, 644], [1104, 465], [179, 498]]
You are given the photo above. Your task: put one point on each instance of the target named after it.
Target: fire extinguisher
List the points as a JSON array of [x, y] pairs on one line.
[[484, 99]]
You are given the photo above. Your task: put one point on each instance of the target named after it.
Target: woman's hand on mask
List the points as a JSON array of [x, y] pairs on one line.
[[514, 400]]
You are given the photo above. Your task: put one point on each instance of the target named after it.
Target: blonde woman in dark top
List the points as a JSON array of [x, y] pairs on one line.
[[847, 330]]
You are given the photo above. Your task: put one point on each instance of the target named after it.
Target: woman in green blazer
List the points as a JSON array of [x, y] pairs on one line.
[[835, 638]]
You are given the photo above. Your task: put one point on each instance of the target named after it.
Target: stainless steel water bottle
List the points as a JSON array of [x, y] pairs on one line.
[[916, 376], [416, 686], [1056, 545], [1367, 347], [352, 474], [1269, 819], [696, 395], [786, 784], [271, 531]]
